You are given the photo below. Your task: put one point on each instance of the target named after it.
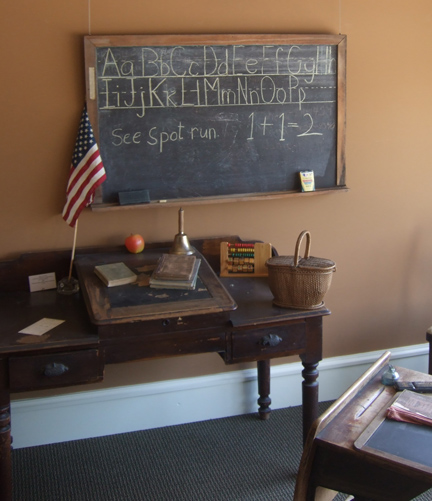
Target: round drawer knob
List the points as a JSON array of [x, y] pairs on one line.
[[55, 369], [270, 340]]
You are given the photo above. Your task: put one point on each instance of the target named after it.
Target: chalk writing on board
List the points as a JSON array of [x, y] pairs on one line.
[[187, 121], [213, 76]]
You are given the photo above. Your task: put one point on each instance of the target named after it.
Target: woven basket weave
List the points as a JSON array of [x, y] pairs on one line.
[[300, 282]]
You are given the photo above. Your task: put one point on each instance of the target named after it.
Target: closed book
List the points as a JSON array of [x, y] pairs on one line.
[[175, 267], [177, 284], [114, 274]]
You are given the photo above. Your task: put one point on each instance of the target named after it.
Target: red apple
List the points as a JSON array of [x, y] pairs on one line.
[[134, 243]]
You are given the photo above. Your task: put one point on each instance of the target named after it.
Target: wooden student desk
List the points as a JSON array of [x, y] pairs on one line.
[[236, 320], [353, 449]]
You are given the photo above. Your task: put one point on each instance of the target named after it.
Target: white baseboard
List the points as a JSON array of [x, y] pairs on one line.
[[40, 421]]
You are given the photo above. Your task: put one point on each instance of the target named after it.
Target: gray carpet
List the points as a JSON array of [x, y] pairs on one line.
[[237, 458]]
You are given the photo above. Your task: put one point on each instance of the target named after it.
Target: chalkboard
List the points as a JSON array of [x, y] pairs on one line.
[[191, 118]]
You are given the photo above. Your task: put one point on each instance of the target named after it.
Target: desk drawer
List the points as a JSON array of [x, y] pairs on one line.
[[55, 369], [269, 342]]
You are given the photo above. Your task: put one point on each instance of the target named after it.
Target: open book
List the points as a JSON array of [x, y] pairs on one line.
[[411, 407]]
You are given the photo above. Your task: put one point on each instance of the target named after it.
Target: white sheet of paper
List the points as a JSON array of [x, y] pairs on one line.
[[41, 326]]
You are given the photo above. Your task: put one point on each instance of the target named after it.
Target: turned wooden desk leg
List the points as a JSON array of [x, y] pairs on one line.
[[310, 396], [5, 448], [264, 400]]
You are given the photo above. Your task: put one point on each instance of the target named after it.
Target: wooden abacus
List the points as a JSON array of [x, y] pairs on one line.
[[244, 260]]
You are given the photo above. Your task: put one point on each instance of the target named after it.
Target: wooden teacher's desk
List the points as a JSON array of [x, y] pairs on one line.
[[233, 317]]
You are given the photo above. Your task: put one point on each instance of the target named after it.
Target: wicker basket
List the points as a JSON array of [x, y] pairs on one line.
[[300, 282]]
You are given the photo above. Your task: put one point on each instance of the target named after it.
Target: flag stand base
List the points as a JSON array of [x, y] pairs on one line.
[[68, 286]]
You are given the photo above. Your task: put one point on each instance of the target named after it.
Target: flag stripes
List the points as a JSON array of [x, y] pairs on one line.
[[86, 173]]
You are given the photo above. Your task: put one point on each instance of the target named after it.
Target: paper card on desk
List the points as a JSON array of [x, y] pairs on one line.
[[41, 326], [42, 282]]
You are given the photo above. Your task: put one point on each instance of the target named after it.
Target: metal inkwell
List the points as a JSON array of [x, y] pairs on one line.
[[390, 376]]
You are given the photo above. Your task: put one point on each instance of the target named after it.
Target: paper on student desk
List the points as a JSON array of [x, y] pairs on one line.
[[41, 326]]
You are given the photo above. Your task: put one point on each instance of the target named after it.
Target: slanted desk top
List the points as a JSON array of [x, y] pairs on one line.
[[133, 302], [405, 443]]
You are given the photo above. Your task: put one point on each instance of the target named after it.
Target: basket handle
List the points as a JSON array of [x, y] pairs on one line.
[[297, 248]]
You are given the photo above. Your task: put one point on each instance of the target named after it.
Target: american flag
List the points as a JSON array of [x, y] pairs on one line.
[[86, 173]]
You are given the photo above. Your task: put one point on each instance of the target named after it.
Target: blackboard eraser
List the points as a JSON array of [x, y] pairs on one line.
[[134, 197]]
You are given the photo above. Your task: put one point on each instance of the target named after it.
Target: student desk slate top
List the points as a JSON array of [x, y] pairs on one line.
[[233, 317]]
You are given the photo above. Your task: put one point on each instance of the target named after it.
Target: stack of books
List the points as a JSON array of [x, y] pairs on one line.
[[175, 271]]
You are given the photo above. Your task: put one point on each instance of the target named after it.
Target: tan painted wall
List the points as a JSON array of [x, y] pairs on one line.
[[379, 233]]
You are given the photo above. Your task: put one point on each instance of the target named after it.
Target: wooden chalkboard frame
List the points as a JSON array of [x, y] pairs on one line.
[[93, 43]]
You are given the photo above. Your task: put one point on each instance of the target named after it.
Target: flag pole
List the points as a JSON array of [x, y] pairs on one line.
[[70, 285], [85, 175], [73, 249]]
